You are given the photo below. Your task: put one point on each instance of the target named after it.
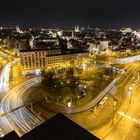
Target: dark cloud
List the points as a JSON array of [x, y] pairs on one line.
[[67, 13]]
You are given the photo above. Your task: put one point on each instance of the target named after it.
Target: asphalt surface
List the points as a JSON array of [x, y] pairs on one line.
[[119, 128], [18, 118], [14, 116], [128, 127]]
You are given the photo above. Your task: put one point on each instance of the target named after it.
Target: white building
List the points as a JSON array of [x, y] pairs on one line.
[[126, 30], [94, 48], [104, 45], [77, 29]]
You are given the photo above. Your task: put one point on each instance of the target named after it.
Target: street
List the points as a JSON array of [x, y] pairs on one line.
[[125, 119], [14, 115], [129, 125]]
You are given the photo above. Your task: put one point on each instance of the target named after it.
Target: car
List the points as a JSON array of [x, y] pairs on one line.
[[103, 101]]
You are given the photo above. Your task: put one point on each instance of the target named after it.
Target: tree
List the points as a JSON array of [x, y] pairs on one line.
[[50, 82], [62, 43]]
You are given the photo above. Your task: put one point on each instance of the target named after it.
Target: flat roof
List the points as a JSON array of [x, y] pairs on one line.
[[67, 51], [35, 50], [58, 127]]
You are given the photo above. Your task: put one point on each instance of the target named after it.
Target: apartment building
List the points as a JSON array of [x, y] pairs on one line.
[[43, 59]]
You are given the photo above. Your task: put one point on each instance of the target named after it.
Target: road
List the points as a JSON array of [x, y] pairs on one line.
[[102, 115], [129, 125], [117, 129], [20, 120], [119, 80], [17, 117]]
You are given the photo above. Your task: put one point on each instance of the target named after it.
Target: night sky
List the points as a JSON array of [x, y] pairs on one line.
[[67, 13]]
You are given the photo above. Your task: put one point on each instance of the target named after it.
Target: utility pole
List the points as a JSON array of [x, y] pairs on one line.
[[32, 107], [130, 98]]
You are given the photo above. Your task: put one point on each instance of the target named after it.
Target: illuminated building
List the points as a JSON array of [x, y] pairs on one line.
[[77, 29], [104, 45], [18, 30], [43, 59], [126, 30]]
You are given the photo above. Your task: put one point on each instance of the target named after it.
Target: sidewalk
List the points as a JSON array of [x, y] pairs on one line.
[[105, 130]]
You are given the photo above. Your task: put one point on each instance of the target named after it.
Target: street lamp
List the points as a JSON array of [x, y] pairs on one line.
[[69, 104], [130, 93]]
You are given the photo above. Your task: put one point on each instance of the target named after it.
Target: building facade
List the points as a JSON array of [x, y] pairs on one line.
[[104, 45], [43, 59]]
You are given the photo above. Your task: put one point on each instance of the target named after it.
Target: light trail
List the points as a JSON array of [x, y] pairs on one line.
[[21, 120], [4, 78]]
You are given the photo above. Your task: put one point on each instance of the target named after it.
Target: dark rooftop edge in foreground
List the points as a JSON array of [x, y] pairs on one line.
[[58, 127]]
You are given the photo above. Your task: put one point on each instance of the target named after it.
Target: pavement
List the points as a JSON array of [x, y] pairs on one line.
[[14, 116], [110, 130], [100, 120], [106, 122], [128, 126]]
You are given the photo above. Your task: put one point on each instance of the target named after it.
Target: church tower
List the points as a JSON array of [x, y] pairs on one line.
[[77, 29]]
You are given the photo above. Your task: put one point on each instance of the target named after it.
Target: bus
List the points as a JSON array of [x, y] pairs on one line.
[[102, 102]]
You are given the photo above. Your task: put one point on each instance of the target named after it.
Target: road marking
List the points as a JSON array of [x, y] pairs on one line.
[[129, 117], [123, 137]]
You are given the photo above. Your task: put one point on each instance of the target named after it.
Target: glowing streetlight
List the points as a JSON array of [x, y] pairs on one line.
[[69, 104]]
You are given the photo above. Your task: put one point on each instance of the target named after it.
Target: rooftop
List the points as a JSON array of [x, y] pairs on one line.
[[58, 127]]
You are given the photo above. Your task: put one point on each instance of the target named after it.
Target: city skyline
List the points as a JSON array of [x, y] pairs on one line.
[[70, 70], [66, 14], [91, 75]]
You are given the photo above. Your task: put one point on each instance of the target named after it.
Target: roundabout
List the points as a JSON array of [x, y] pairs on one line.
[[69, 91]]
